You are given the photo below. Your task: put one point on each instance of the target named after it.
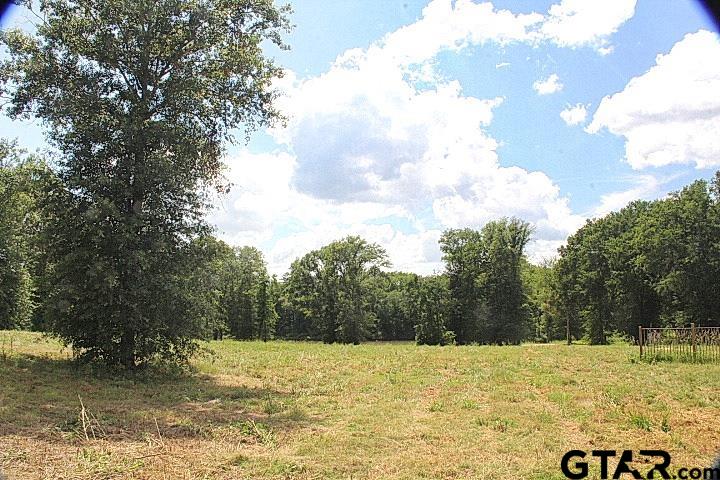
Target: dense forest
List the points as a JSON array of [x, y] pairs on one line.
[[652, 263]]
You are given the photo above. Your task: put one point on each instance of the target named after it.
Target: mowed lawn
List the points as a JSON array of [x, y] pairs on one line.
[[308, 410]]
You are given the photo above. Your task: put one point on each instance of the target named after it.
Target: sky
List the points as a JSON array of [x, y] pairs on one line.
[[406, 118]]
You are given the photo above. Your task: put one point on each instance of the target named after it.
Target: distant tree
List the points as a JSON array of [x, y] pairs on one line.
[[584, 267], [23, 182], [488, 300], [207, 285], [245, 274], [636, 301], [501, 282], [266, 314], [392, 294], [330, 289], [651, 263], [231, 291], [139, 98], [431, 307], [542, 303], [680, 240], [464, 256], [301, 302]]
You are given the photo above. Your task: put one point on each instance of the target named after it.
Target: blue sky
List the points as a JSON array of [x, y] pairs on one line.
[[409, 117]]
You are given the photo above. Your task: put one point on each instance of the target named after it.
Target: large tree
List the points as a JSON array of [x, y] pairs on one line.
[[464, 256], [208, 285], [542, 302], [501, 281], [392, 295], [139, 99], [430, 305]]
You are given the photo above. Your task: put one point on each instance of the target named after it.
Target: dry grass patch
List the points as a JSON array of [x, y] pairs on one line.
[[282, 410]]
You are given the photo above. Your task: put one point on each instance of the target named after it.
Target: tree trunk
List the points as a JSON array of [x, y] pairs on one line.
[[127, 349]]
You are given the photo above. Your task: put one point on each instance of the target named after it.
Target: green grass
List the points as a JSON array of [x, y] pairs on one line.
[[388, 410]]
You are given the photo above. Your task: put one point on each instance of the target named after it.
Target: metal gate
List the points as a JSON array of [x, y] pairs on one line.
[[695, 344]]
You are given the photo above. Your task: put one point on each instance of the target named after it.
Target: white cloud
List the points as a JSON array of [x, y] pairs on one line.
[[577, 23], [646, 187], [671, 113], [364, 132], [266, 210], [550, 85], [416, 252], [543, 250], [574, 115], [383, 146], [453, 25]]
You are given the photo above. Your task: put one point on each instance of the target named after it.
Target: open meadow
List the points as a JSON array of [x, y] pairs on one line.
[[309, 410]]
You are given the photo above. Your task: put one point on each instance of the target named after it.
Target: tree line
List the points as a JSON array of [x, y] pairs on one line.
[[653, 263], [342, 292], [103, 241]]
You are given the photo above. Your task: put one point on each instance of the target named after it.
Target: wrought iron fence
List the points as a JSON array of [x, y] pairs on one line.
[[696, 344]]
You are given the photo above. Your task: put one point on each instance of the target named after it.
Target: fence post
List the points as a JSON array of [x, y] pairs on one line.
[[694, 340], [640, 339]]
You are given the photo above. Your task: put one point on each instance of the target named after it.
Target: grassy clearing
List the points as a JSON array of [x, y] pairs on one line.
[[307, 410]]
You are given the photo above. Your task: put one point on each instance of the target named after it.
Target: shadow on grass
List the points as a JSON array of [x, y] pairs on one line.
[[41, 397]]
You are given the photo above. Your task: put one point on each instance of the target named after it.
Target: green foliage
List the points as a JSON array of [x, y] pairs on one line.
[[232, 291], [139, 98], [23, 180], [328, 291], [266, 314], [464, 257], [245, 274], [488, 299], [651, 264], [542, 301], [501, 281], [431, 306], [392, 294], [207, 285]]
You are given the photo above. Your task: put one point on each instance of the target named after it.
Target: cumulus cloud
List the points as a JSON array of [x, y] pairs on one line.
[[264, 209], [576, 23], [416, 252], [384, 140], [383, 146], [671, 113], [550, 85], [646, 187], [453, 25], [574, 115]]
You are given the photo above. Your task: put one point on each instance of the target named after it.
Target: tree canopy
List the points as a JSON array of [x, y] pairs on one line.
[[139, 99], [484, 270], [329, 289], [651, 264]]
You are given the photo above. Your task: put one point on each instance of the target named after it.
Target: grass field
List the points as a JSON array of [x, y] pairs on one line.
[[308, 410]]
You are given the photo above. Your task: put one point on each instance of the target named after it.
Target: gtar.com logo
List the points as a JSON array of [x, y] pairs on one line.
[[576, 465]]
